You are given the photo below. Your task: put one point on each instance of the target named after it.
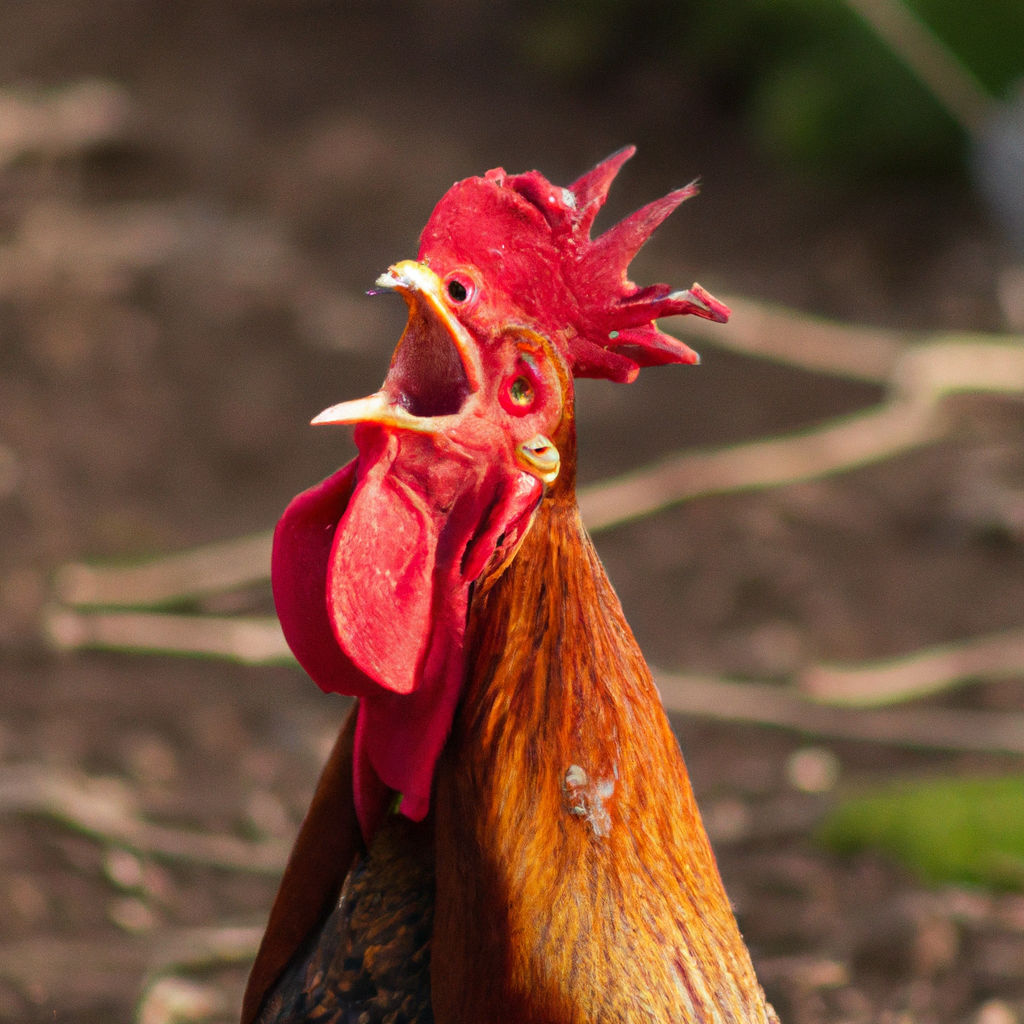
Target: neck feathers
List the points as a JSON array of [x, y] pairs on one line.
[[575, 880]]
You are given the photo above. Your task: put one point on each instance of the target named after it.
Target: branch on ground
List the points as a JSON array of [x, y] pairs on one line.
[[104, 809], [993, 732]]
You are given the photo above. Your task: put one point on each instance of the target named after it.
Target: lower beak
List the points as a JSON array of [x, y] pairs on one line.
[[373, 409], [435, 367]]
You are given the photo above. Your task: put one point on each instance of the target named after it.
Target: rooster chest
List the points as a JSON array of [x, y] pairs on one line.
[[370, 961]]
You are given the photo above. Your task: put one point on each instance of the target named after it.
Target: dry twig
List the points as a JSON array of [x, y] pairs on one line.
[[252, 641], [773, 332], [918, 674], [61, 121], [764, 704], [922, 377], [951, 82], [206, 570], [103, 808], [851, 442], [91, 971]]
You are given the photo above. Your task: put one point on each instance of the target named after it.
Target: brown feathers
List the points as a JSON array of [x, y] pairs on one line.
[[575, 881], [327, 844], [371, 962]]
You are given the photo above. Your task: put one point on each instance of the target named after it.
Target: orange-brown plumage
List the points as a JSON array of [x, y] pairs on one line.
[[531, 836], [575, 881]]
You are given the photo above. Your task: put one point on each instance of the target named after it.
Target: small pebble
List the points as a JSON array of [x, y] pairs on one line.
[[178, 1000], [812, 770], [995, 1011], [122, 868], [131, 915]]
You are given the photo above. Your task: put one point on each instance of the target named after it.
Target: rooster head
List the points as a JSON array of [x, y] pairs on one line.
[[373, 568]]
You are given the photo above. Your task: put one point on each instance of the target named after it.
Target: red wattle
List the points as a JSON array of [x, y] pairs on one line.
[[371, 574]]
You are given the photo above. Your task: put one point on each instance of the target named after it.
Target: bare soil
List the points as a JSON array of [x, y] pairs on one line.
[[155, 401]]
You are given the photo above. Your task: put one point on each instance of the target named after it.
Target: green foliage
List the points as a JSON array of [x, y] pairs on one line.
[[949, 830], [851, 105], [987, 36], [816, 83]]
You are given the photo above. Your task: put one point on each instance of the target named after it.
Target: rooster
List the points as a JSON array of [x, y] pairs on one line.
[[505, 829]]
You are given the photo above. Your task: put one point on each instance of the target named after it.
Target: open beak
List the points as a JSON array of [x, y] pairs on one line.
[[435, 368]]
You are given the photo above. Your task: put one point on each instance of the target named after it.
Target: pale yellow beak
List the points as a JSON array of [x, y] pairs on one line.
[[436, 365]]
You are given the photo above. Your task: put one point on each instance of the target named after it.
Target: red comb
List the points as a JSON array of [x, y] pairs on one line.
[[531, 239]]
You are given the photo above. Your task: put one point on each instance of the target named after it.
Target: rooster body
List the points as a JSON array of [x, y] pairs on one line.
[[552, 868]]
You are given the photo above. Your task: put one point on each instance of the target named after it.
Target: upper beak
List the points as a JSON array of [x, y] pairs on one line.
[[436, 365]]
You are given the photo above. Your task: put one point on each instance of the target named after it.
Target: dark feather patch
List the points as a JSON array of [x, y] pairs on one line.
[[370, 963]]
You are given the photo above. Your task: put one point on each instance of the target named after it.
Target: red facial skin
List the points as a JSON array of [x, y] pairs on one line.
[[372, 568]]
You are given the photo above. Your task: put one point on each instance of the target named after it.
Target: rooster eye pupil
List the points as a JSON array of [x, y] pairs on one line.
[[457, 290], [520, 391]]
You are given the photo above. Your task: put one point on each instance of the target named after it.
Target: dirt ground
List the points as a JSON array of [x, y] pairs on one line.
[[178, 301]]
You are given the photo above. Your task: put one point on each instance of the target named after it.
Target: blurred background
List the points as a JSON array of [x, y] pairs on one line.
[[194, 198]]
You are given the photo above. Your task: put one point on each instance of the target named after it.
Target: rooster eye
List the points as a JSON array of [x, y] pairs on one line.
[[457, 290], [520, 391]]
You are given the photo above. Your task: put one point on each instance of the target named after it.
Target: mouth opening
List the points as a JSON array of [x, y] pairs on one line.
[[427, 376]]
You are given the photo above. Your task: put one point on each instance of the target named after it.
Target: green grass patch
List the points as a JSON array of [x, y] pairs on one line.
[[945, 830]]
